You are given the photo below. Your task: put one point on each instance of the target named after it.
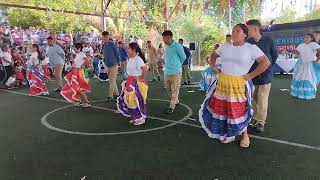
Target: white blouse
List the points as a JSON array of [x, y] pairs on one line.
[[237, 60]]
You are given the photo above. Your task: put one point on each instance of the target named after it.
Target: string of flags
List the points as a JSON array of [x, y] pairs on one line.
[[177, 9], [198, 6]]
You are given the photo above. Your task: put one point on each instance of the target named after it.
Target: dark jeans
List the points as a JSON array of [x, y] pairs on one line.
[[95, 64], [9, 72]]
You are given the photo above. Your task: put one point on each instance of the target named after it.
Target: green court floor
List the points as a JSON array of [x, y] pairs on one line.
[[44, 138]]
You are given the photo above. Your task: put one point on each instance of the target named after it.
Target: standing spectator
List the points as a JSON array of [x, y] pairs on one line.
[[262, 82], [57, 59], [153, 61], [316, 36], [16, 37], [160, 54], [228, 39], [7, 63], [174, 57], [123, 56], [186, 76], [88, 49], [112, 60]]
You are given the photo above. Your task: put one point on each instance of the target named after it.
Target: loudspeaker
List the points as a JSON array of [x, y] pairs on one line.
[[192, 46]]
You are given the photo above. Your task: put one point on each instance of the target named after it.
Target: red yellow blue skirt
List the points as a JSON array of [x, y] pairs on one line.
[[227, 110], [133, 98], [76, 81], [35, 78]]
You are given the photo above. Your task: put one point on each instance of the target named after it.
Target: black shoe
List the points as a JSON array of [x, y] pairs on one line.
[[169, 111], [189, 83], [159, 78], [253, 123], [259, 128], [153, 80], [58, 90], [110, 99], [185, 83]]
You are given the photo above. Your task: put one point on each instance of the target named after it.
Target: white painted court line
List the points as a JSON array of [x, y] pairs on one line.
[[198, 126], [45, 123]]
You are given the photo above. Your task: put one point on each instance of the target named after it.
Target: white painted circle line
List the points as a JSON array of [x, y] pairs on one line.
[[172, 122]]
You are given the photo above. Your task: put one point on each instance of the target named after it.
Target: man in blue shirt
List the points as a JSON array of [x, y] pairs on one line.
[[186, 76], [262, 82], [174, 57], [112, 61], [123, 56]]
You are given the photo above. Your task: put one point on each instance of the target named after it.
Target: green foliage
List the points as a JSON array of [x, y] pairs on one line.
[[26, 17], [52, 20], [139, 30], [315, 14], [287, 15]]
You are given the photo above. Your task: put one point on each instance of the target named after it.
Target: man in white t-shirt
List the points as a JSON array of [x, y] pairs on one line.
[[7, 63]]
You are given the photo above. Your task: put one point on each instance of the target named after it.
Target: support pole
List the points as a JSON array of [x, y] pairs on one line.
[[103, 27], [165, 26], [230, 29]]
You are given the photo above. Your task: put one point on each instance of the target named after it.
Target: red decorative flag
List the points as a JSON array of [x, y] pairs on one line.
[[197, 6], [176, 9], [232, 3], [184, 8], [223, 4], [206, 5]]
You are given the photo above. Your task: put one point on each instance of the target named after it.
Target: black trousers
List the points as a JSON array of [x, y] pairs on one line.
[[9, 72]]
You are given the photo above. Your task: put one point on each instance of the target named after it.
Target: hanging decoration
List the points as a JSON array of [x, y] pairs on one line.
[[197, 6], [176, 9], [223, 4], [200, 23], [184, 8], [206, 6], [232, 3]]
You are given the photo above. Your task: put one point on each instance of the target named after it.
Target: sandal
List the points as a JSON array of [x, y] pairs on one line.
[[86, 105], [245, 143]]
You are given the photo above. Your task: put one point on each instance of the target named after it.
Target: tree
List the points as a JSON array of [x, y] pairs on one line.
[[53, 21], [315, 14], [138, 30], [26, 17], [288, 15]]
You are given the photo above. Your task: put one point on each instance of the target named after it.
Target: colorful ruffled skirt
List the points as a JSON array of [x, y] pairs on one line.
[[208, 77], [306, 78], [133, 98], [35, 77], [227, 110], [77, 80], [46, 71]]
